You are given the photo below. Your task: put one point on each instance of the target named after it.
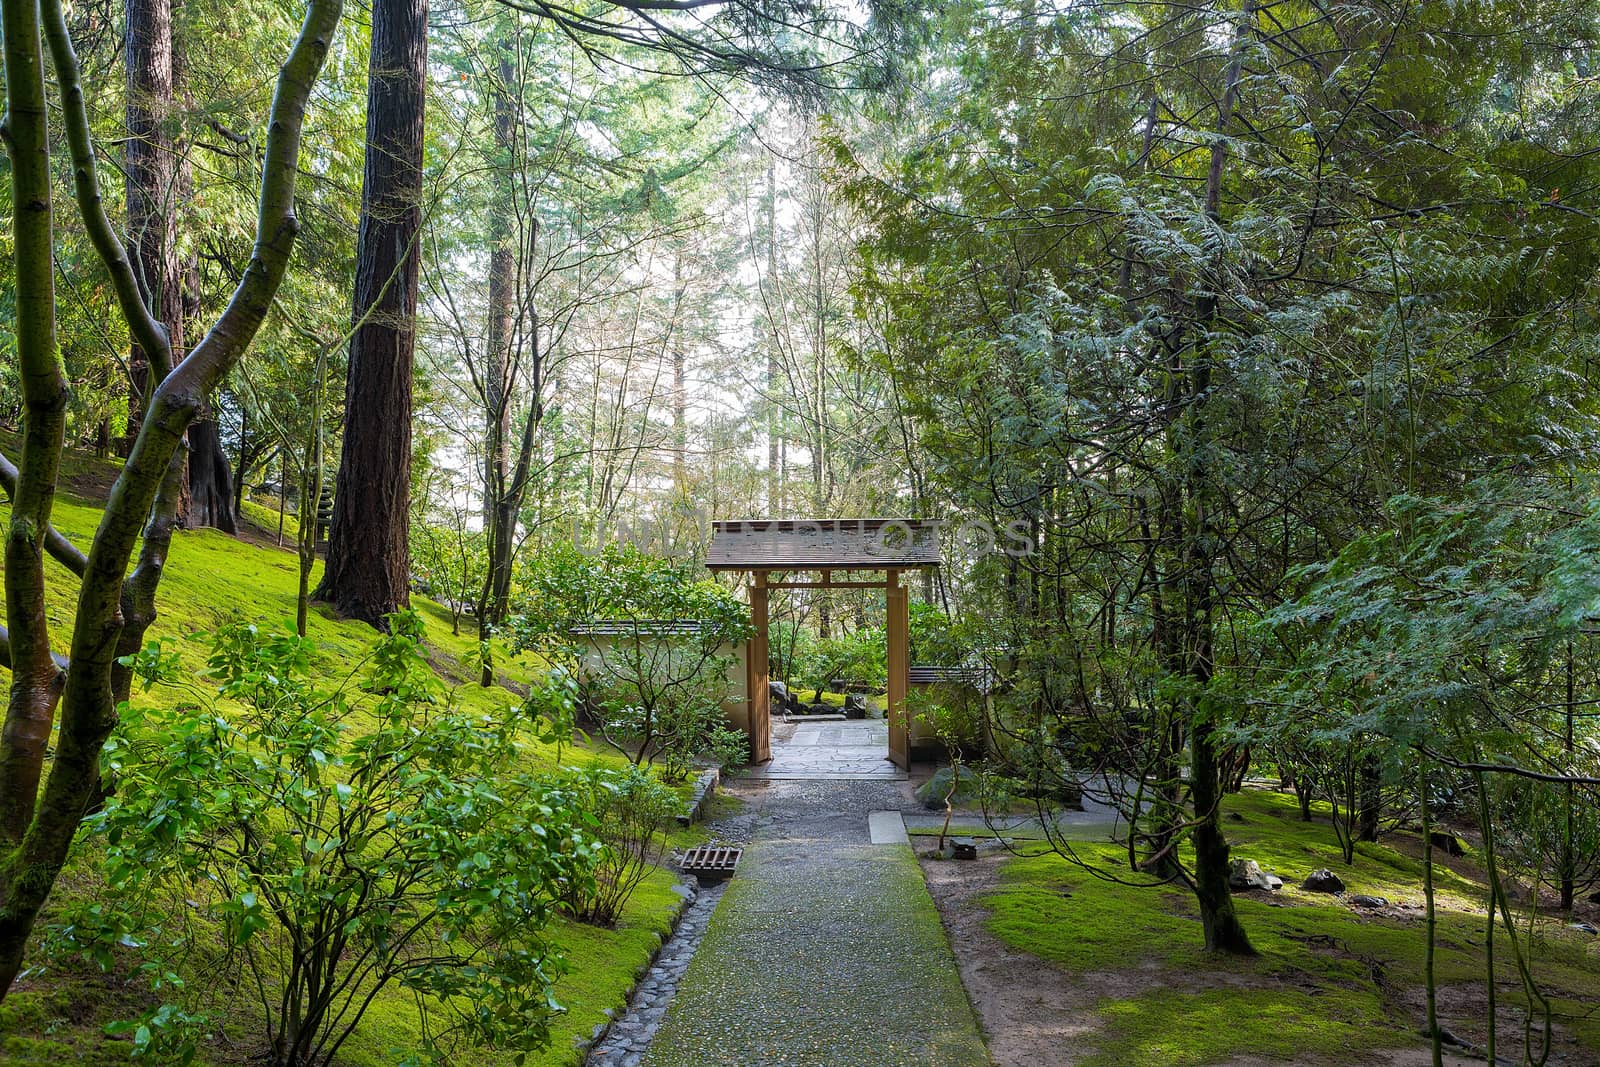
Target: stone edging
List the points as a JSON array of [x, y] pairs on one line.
[[705, 787], [687, 894], [622, 1040]]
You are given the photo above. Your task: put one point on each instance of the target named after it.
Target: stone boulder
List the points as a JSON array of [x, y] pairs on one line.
[[855, 706], [782, 700], [1323, 880], [1061, 790], [1360, 900], [932, 792], [1247, 874], [1447, 843]]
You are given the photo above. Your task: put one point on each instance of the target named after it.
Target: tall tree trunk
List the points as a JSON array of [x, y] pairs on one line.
[[774, 373], [248, 457], [209, 497], [1202, 540], [1371, 808], [502, 500], [368, 561], [498, 387], [1568, 861], [150, 170], [680, 385]]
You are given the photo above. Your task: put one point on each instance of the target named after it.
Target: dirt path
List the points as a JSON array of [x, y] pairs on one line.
[[1034, 1015], [826, 950]]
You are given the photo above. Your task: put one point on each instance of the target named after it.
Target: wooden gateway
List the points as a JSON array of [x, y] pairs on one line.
[[869, 553]]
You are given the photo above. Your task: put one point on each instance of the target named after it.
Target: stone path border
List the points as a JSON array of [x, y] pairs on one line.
[[705, 787], [622, 1042], [887, 828]]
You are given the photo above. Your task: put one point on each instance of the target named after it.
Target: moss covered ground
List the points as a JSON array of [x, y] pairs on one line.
[[1332, 984], [212, 579]]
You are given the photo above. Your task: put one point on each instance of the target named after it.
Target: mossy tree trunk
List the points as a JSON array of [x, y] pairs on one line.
[[39, 814], [151, 178], [1203, 540], [501, 506]]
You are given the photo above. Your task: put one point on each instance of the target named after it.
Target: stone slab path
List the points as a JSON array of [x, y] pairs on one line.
[[826, 949], [817, 751]]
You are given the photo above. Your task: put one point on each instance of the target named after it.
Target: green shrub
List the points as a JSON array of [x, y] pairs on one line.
[[647, 636], [330, 842], [630, 812], [859, 657]]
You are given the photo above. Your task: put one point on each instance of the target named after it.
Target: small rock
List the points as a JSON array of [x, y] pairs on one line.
[[1323, 880], [1447, 843], [1247, 874], [963, 848], [1234, 816], [1585, 928], [1361, 900]]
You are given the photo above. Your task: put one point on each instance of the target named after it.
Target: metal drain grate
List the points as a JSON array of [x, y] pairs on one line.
[[710, 863]]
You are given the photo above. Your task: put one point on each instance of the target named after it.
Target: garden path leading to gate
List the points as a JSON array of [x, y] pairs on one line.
[[826, 950]]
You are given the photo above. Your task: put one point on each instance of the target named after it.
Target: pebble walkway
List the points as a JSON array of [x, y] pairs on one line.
[[826, 950]]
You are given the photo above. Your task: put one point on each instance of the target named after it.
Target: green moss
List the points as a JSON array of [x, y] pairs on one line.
[[212, 579], [806, 961], [264, 517], [1066, 915], [1179, 1028], [1328, 978], [604, 965]]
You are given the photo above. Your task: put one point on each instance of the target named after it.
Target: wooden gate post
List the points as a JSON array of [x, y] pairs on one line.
[[899, 663], [756, 673]]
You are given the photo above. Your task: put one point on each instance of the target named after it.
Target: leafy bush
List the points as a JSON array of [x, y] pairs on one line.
[[648, 635], [335, 843], [856, 657], [448, 561], [936, 638], [631, 812], [789, 648]]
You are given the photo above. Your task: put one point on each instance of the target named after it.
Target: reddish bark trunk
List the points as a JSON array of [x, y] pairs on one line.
[[368, 560], [151, 170]]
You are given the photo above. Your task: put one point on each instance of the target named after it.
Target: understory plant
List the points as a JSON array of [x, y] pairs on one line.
[[631, 812], [333, 842], [673, 730], [858, 657], [650, 641]]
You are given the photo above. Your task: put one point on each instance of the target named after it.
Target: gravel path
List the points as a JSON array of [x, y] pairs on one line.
[[826, 950]]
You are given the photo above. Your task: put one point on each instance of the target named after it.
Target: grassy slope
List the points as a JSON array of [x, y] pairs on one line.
[[1330, 983], [211, 579]]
